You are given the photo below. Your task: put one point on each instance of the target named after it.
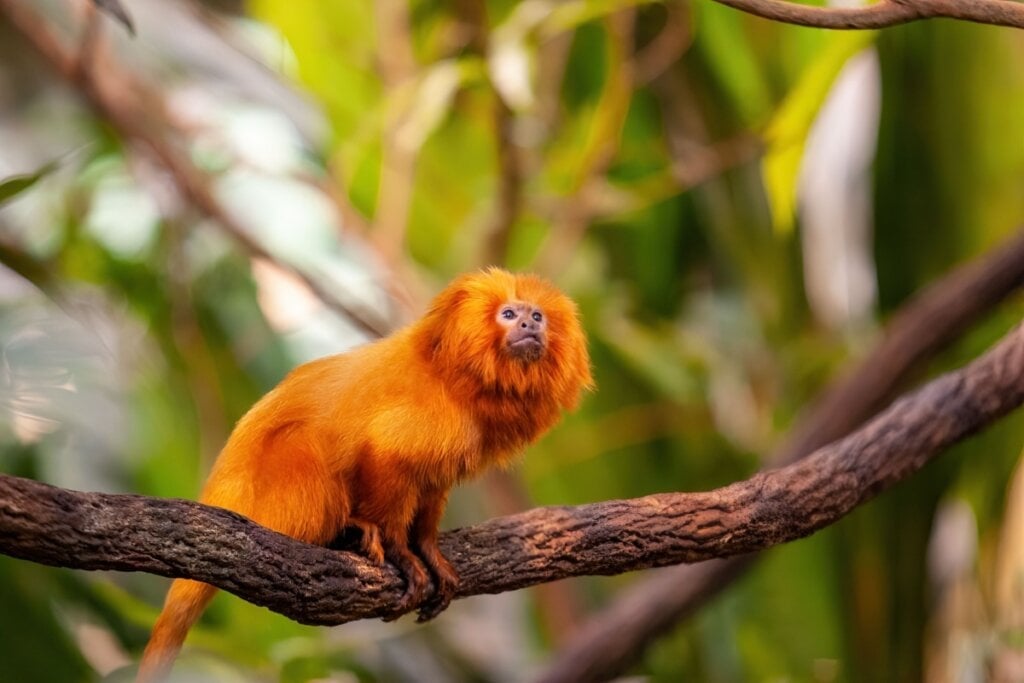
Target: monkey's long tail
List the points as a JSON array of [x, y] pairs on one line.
[[186, 600]]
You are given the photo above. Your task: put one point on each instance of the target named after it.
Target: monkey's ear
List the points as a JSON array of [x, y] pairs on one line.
[[447, 302], [443, 313]]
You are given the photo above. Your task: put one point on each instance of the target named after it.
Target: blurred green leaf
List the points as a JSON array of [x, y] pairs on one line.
[[786, 134], [13, 186], [566, 16], [35, 647], [736, 63]]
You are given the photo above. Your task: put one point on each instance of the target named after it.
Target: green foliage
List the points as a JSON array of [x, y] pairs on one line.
[[137, 332], [39, 649]]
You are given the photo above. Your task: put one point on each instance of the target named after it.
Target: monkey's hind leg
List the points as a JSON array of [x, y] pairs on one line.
[[370, 543], [417, 581], [286, 487], [424, 538], [391, 502]]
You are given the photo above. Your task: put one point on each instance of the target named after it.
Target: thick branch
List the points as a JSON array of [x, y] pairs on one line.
[[884, 13], [614, 638], [321, 586]]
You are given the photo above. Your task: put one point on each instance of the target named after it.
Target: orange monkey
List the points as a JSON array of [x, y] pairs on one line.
[[376, 437]]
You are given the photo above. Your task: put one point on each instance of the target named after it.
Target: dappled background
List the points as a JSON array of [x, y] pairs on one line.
[[738, 206]]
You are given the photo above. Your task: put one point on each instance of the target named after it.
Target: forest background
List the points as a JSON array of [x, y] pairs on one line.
[[741, 207]]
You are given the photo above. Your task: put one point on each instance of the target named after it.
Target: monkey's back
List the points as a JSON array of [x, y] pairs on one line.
[[291, 461]]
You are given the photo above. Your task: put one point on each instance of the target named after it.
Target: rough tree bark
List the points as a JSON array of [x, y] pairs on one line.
[[321, 586]]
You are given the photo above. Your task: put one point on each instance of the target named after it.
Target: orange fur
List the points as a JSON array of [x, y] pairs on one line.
[[376, 437]]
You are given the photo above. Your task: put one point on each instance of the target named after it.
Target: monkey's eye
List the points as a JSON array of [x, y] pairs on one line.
[[508, 314], [537, 316]]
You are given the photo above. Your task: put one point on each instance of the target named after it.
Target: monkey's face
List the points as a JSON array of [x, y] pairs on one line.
[[514, 333], [525, 330]]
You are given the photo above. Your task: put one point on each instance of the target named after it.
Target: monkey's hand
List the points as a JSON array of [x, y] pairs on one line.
[[446, 581]]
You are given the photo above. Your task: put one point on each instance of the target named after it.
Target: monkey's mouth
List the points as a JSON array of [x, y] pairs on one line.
[[529, 346]]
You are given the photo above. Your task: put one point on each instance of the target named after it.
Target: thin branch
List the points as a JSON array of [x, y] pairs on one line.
[[508, 156], [884, 13], [317, 585], [510, 183], [667, 47], [397, 67], [115, 9], [931, 321], [38, 272], [138, 113], [606, 128]]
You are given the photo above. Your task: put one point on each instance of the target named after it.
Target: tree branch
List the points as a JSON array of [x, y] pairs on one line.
[[884, 13], [611, 640], [321, 586]]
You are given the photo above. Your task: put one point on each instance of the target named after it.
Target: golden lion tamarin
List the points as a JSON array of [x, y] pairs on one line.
[[376, 437]]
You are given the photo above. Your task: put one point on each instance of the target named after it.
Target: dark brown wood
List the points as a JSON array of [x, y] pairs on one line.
[[316, 585]]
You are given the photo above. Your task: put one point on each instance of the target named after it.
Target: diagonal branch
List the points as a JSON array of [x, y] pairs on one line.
[[884, 13], [614, 638], [322, 586], [139, 114], [115, 9]]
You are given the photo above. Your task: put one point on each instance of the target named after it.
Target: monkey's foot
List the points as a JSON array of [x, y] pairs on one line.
[[416, 580], [436, 603], [414, 594], [446, 580]]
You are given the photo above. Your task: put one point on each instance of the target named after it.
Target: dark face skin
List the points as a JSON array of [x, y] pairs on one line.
[[526, 330]]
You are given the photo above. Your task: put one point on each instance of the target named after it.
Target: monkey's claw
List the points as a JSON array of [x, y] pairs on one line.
[[447, 583], [432, 606], [413, 596], [416, 583], [446, 580]]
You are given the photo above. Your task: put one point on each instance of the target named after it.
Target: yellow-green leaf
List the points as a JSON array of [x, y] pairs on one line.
[[786, 133]]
